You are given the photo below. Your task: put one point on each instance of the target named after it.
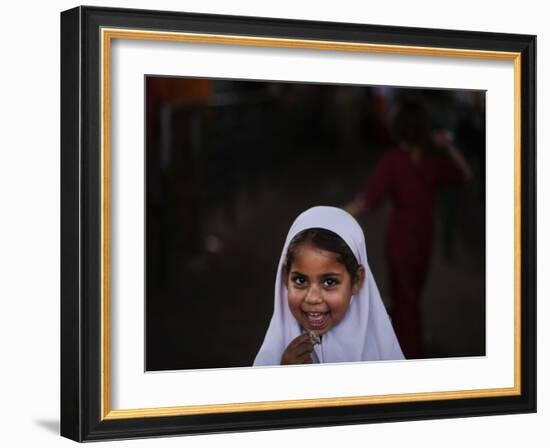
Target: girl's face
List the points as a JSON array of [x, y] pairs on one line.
[[319, 288]]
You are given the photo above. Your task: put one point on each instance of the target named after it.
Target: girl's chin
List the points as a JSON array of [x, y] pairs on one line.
[[320, 332]]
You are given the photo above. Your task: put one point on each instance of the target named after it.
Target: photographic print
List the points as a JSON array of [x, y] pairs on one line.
[[231, 164], [248, 203]]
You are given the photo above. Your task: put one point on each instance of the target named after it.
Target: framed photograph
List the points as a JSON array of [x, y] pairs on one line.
[[274, 223]]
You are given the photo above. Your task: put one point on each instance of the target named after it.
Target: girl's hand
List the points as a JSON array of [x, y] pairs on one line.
[[298, 351], [355, 207], [443, 139]]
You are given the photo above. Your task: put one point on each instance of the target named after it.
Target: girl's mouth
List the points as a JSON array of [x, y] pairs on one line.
[[317, 320]]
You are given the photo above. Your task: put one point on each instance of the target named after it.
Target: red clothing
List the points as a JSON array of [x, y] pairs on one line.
[[411, 188]]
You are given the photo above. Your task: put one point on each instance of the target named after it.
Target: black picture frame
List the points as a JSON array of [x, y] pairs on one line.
[[83, 409]]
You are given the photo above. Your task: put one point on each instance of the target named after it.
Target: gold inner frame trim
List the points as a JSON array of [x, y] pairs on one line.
[[107, 34]]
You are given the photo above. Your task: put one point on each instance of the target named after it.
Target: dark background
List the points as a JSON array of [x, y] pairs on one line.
[[230, 164]]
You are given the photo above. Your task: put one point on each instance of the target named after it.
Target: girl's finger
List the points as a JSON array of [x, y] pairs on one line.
[[305, 347], [298, 340], [305, 359]]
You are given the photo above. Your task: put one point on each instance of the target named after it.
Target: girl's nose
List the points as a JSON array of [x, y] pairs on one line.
[[313, 295]]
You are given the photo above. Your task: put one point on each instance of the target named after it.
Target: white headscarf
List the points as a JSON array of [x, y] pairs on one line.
[[364, 334]]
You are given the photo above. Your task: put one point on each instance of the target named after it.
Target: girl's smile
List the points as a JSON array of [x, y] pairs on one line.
[[319, 288], [317, 320]]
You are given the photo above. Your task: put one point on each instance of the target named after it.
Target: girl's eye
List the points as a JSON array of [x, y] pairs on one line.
[[299, 280], [330, 282]]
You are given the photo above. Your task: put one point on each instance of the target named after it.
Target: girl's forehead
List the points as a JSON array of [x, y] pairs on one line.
[[310, 256]]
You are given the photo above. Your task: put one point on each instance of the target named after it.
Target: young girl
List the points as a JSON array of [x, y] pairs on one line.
[[410, 176], [327, 305]]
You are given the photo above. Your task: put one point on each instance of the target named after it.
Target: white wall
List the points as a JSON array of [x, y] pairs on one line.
[[29, 238]]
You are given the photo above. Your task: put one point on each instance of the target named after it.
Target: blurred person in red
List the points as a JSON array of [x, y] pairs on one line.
[[410, 175]]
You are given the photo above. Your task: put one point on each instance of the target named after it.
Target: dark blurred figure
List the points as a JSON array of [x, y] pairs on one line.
[[409, 175]]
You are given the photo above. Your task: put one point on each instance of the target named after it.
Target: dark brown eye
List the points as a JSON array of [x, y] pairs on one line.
[[330, 282], [299, 280]]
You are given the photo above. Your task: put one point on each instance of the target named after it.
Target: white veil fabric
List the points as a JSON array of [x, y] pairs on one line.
[[364, 334]]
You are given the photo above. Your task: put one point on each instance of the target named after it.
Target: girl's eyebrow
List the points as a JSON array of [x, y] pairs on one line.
[[326, 274]]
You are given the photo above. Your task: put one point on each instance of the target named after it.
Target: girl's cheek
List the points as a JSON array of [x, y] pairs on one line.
[[295, 294], [296, 290], [335, 293]]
